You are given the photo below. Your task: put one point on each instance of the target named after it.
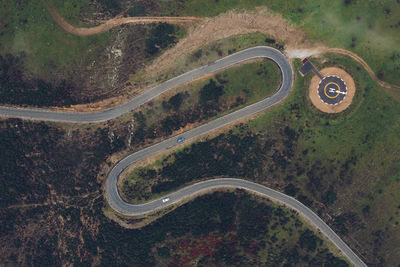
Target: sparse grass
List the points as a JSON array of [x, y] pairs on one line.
[[369, 28], [251, 82], [202, 56], [31, 31]]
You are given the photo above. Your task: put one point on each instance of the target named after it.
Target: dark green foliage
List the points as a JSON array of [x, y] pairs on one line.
[[227, 253], [342, 222], [254, 220], [160, 37], [45, 255], [308, 240], [329, 197], [170, 124], [339, 223], [200, 159], [270, 41], [112, 6], [138, 9], [366, 209], [199, 223], [109, 243], [290, 133], [291, 190], [305, 200], [31, 150], [174, 102], [210, 92], [333, 261], [164, 252], [16, 89]]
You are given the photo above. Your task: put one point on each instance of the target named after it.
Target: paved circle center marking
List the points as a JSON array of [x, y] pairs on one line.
[[332, 90]]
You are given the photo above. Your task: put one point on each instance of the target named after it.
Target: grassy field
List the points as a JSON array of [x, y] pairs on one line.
[[368, 28], [27, 28]]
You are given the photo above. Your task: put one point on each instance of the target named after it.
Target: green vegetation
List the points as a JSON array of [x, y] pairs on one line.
[[160, 37], [198, 102], [204, 55], [369, 28], [28, 29], [345, 164], [240, 228], [138, 9], [43, 65]]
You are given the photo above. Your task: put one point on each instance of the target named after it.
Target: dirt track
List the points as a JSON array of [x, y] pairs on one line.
[[364, 64], [211, 29], [114, 22]]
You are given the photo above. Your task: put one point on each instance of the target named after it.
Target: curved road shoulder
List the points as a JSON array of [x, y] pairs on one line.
[[105, 115]]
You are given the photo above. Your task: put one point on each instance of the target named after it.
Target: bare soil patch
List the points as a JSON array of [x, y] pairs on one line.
[[313, 91], [229, 24], [208, 30], [114, 22]]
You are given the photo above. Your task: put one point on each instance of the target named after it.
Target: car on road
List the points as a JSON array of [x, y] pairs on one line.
[[180, 140], [164, 200]]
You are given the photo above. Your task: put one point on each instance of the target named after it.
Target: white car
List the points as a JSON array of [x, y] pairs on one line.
[[165, 199]]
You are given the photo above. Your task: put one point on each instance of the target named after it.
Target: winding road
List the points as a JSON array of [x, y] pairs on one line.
[[111, 190]]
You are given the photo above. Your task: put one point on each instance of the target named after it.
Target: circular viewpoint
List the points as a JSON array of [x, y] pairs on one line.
[[332, 90], [334, 93]]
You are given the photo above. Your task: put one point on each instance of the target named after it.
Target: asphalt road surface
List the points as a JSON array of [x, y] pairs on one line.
[[332, 90], [197, 188], [100, 116], [111, 190]]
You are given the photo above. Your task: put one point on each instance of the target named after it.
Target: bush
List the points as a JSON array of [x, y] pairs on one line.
[[160, 37], [210, 92], [164, 252], [308, 240], [329, 198], [112, 6], [138, 9]]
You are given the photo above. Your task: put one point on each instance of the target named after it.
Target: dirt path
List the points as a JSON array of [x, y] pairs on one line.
[[226, 25], [114, 22], [364, 64], [211, 29]]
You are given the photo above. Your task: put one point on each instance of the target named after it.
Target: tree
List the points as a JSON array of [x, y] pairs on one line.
[[308, 240], [137, 10], [160, 37], [210, 92]]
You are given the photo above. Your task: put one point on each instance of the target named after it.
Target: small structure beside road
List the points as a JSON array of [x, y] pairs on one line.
[[307, 67]]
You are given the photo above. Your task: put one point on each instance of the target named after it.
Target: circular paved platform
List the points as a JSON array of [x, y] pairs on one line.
[[332, 90], [332, 101]]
